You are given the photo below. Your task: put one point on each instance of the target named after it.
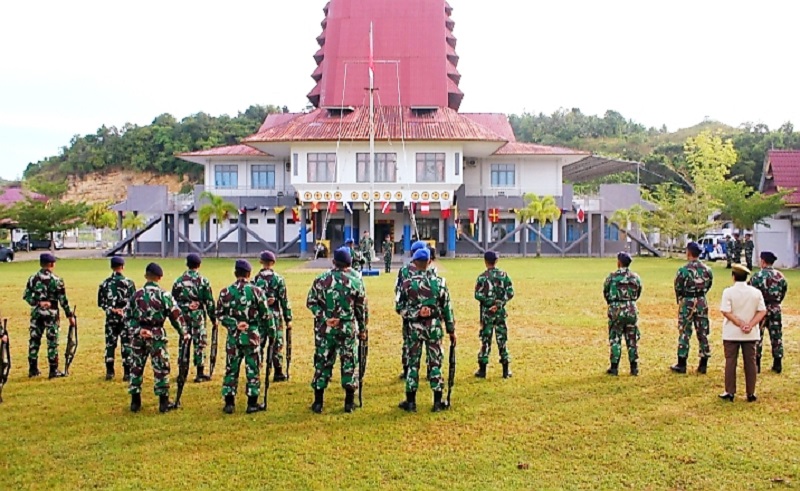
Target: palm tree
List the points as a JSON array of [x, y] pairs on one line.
[[133, 222], [542, 210], [624, 219], [100, 216], [216, 208]]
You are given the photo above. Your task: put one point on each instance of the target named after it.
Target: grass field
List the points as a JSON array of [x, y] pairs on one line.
[[560, 416]]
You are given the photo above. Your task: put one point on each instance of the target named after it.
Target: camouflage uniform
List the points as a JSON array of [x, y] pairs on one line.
[[403, 274], [336, 294], [358, 259], [692, 282], [247, 303], [150, 308], [621, 290], [113, 294], [493, 288], [365, 247], [749, 247], [729, 246], [388, 249], [45, 286], [193, 295], [773, 286], [418, 291], [737, 251], [274, 287]]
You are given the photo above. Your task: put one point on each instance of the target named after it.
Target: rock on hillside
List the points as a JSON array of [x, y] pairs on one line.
[[113, 186]]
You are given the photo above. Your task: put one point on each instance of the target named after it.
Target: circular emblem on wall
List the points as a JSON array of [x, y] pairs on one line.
[[365, 196], [387, 195], [426, 196], [327, 196], [354, 195], [317, 196], [445, 195], [307, 196], [435, 195], [376, 195], [398, 196], [415, 196]]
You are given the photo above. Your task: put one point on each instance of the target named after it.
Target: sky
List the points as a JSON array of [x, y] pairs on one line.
[[67, 68]]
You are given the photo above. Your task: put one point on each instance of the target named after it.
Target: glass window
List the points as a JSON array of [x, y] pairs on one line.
[[430, 167], [226, 176], [385, 167], [503, 175], [612, 232], [294, 163], [575, 230], [502, 228], [262, 176], [254, 221], [428, 229], [547, 232], [458, 163], [322, 167]]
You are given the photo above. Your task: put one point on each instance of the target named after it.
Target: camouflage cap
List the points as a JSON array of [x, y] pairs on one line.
[[768, 257], [267, 257], [117, 262], [342, 255], [193, 260], [154, 270]]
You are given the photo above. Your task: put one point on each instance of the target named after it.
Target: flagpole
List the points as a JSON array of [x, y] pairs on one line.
[[371, 169]]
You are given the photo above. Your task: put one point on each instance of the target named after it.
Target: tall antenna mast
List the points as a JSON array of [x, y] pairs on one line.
[[371, 169]]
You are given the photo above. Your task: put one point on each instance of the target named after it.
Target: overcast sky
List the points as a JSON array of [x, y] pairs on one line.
[[68, 67]]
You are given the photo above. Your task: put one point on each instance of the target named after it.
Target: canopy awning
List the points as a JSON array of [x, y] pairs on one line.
[[597, 166]]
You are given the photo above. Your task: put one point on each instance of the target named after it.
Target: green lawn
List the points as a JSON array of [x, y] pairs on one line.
[[569, 424]]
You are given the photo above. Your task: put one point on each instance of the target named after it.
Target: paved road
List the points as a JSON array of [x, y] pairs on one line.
[[62, 254]]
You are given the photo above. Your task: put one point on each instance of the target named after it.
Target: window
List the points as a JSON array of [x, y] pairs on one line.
[[234, 221], [294, 163], [612, 232], [458, 163], [385, 167], [503, 175], [428, 228], [191, 221], [262, 177], [322, 167], [270, 221], [502, 228], [574, 231], [254, 221], [547, 232], [226, 176], [430, 167]]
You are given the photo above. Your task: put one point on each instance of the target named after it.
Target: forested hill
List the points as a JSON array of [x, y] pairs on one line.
[[152, 148]]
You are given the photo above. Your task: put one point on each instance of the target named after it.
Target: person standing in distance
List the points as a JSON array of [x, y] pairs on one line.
[[743, 308], [114, 296], [621, 290], [44, 292], [388, 252], [365, 246], [773, 287], [692, 282], [493, 290]]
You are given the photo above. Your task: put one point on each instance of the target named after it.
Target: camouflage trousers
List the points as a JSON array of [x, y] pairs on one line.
[[117, 331], [500, 330], [773, 323], [196, 326], [622, 323], [48, 327], [277, 342], [156, 349], [251, 357], [387, 264], [693, 313], [431, 337], [406, 343], [330, 343]]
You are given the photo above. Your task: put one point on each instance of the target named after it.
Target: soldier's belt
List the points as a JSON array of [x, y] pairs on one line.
[[150, 325], [693, 295]]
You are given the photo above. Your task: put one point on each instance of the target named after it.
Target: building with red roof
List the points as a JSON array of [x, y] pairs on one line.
[[781, 233]]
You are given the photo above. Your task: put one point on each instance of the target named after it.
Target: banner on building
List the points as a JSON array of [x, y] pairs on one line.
[[445, 206], [425, 208], [314, 207], [279, 209], [494, 215], [348, 207], [333, 207], [296, 214], [385, 207]]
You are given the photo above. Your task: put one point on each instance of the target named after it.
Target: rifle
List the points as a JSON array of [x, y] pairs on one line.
[[288, 351], [214, 347], [268, 359], [451, 376], [363, 353], [72, 343], [5, 360], [183, 369]]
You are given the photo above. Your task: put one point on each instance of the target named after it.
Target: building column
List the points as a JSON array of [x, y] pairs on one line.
[[602, 235], [120, 231], [280, 230], [164, 234], [241, 233], [186, 230], [451, 236], [525, 232], [562, 236], [303, 234], [591, 233], [176, 242], [406, 233]]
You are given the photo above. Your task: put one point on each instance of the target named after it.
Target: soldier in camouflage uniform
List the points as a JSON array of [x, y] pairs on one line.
[[338, 302], [729, 245], [773, 286], [355, 255], [242, 309], [388, 252], [274, 287], [403, 274], [365, 246], [192, 292], [113, 296], [424, 302], [44, 293], [493, 290], [737, 249], [749, 248], [692, 282], [149, 309], [621, 290]]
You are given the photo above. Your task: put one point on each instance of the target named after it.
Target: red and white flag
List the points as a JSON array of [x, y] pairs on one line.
[[385, 206], [581, 215], [332, 207], [473, 215], [425, 208], [445, 209]]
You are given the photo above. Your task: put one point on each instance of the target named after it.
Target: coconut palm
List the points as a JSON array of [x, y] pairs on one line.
[[216, 208], [542, 210], [133, 223], [625, 218]]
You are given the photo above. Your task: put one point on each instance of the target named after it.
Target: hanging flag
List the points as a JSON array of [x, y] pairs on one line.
[[314, 207], [264, 210], [242, 211], [494, 215], [473, 215], [581, 215], [385, 207], [296, 214], [348, 207], [279, 209], [333, 207], [398, 207], [425, 208], [412, 207], [445, 205], [366, 206]]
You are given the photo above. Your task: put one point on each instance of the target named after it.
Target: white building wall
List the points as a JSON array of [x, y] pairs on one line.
[[779, 239], [540, 175], [245, 184]]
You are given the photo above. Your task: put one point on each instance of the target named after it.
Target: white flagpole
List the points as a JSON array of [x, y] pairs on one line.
[[371, 169]]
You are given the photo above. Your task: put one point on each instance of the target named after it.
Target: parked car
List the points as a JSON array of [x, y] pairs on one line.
[[713, 247], [6, 254], [36, 243]]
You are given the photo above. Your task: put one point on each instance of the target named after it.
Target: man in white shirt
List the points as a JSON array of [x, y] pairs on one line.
[[743, 308]]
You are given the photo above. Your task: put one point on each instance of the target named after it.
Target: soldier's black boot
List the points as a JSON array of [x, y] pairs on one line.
[[126, 373], [506, 371], [614, 369], [201, 375], [230, 404], [253, 406], [163, 403], [319, 396], [33, 368], [481, 373], [136, 402], [109, 370], [279, 375], [438, 405], [349, 400], [703, 366], [410, 404], [679, 367], [54, 372], [777, 365], [634, 368]]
